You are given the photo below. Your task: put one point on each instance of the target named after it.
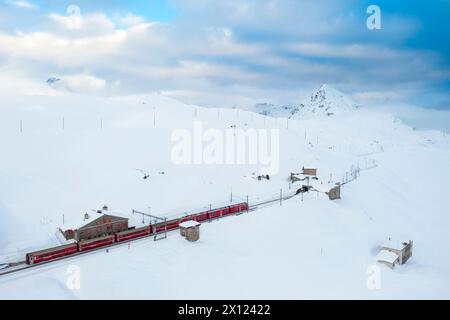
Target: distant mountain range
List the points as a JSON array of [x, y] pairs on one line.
[[326, 101]]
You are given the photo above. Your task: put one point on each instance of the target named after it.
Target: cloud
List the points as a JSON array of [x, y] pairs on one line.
[[222, 52], [22, 4], [13, 84], [81, 83], [131, 20], [77, 24]]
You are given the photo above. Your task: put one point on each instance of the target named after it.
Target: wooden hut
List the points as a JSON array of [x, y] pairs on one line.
[[309, 171]]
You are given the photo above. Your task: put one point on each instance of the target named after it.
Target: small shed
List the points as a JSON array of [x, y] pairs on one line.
[[335, 192], [388, 258], [190, 230], [402, 249], [309, 171]]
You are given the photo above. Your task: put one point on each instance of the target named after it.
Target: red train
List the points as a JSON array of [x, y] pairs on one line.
[[86, 245]]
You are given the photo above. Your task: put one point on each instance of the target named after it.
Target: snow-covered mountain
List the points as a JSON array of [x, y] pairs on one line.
[[325, 101]]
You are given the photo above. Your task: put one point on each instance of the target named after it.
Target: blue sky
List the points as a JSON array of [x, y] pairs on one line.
[[230, 52], [161, 10]]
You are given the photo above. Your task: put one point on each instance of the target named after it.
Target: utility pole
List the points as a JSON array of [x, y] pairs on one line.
[[63, 125], [281, 195], [21, 126]]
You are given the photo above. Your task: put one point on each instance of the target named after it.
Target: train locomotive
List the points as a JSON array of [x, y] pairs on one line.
[[63, 251]]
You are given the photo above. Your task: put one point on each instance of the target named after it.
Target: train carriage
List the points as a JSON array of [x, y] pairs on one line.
[[217, 213], [51, 254], [201, 217], [95, 243], [132, 234], [169, 225], [238, 207]]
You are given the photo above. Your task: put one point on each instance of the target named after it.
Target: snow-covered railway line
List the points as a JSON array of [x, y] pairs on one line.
[[22, 266]]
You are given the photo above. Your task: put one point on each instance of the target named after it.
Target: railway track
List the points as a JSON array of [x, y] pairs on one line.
[[21, 265]]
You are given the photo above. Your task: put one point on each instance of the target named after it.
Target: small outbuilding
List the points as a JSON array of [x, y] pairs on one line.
[[335, 192], [190, 230], [309, 171], [402, 249]]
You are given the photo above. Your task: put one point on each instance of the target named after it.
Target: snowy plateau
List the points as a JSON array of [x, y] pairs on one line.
[[63, 156]]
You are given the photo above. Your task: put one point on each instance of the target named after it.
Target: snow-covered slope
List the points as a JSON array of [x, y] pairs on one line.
[[69, 155], [270, 109]]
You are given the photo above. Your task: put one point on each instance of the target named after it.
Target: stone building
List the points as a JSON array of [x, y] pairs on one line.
[[102, 226], [394, 252], [190, 230]]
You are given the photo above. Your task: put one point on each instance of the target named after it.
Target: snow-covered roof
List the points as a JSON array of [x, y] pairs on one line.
[[396, 245], [78, 221], [387, 256], [189, 224]]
